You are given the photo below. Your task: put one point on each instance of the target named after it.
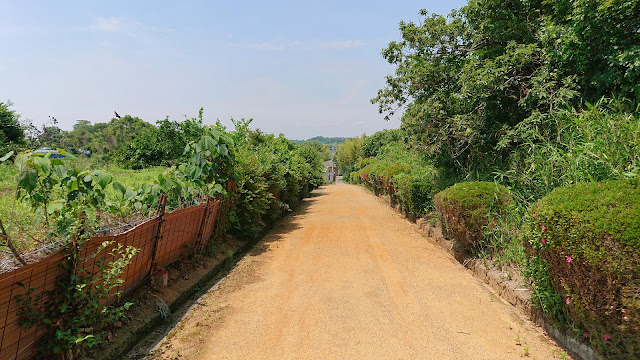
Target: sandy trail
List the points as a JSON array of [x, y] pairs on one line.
[[346, 277]]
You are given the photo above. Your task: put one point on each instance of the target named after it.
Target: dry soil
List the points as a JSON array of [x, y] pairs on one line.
[[346, 277]]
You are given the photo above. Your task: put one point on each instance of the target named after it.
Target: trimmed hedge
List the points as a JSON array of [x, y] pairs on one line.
[[413, 195], [413, 192], [466, 208], [589, 235]]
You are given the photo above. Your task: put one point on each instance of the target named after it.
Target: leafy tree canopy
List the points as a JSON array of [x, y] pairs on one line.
[[489, 75], [10, 129]]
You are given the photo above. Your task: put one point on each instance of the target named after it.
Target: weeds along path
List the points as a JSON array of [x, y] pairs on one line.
[[346, 277]]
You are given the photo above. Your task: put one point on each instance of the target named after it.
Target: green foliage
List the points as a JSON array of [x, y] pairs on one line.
[[473, 83], [587, 236], [466, 209], [79, 194], [318, 147], [273, 175], [347, 156], [11, 132], [210, 164], [266, 175], [400, 172], [415, 196], [371, 145], [76, 311], [161, 145], [536, 95], [598, 143]]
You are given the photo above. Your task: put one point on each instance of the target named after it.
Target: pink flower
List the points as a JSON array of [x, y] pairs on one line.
[[625, 318], [508, 202], [624, 311], [544, 241], [495, 223], [599, 185], [606, 337], [569, 259], [533, 215], [585, 335], [568, 301], [544, 228]]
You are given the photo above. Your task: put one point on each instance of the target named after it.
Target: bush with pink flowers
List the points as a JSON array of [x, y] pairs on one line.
[[588, 238], [466, 209]]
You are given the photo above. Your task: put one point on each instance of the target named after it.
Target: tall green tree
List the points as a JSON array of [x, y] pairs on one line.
[[487, 77], [11, 132], [348, 155]]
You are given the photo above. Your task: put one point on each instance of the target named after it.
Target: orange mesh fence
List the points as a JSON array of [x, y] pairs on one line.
[[42, 276], [179, 234], [161, 241]]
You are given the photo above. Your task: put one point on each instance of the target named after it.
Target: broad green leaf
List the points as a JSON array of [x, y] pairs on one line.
[[118, 187], [54, 206], [129, 194], [4, 158], [61, 170], [28, 180], [103, 179], [41, 163], [73, 184]]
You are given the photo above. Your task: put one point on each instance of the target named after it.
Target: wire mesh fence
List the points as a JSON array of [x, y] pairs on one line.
[[161, 240]]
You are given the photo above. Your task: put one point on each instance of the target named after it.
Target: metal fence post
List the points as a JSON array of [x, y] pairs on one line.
[[162, 204]]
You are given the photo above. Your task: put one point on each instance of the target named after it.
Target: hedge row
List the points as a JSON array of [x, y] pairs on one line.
[[466, 209], [414, 195], [588, 236], [273, 176], [401, 173], [584, 253]]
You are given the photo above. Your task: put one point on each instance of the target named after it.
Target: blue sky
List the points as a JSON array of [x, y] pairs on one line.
[[298, 68]]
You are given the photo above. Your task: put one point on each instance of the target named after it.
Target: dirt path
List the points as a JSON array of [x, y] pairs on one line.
[[346, 277]]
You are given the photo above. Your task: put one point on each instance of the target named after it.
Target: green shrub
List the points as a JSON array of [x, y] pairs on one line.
[[589, 235], [418, 198], [466, 209]]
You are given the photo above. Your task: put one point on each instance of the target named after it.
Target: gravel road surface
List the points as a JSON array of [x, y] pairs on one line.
[[346, 277]]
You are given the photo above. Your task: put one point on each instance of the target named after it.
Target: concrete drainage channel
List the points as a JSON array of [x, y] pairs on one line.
[[149, 333]]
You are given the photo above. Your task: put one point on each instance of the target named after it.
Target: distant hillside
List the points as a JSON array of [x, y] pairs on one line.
[[324, 140]]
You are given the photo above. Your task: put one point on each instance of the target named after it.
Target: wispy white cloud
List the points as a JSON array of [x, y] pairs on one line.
[[123, 26], [110, 25]]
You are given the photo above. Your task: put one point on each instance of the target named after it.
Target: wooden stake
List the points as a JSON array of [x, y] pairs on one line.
[[13, 249]]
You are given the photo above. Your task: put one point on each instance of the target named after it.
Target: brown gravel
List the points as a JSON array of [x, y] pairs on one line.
[[346, 277]]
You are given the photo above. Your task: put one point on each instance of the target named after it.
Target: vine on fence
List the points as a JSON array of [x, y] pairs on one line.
[[75, 311], [69, 201]]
